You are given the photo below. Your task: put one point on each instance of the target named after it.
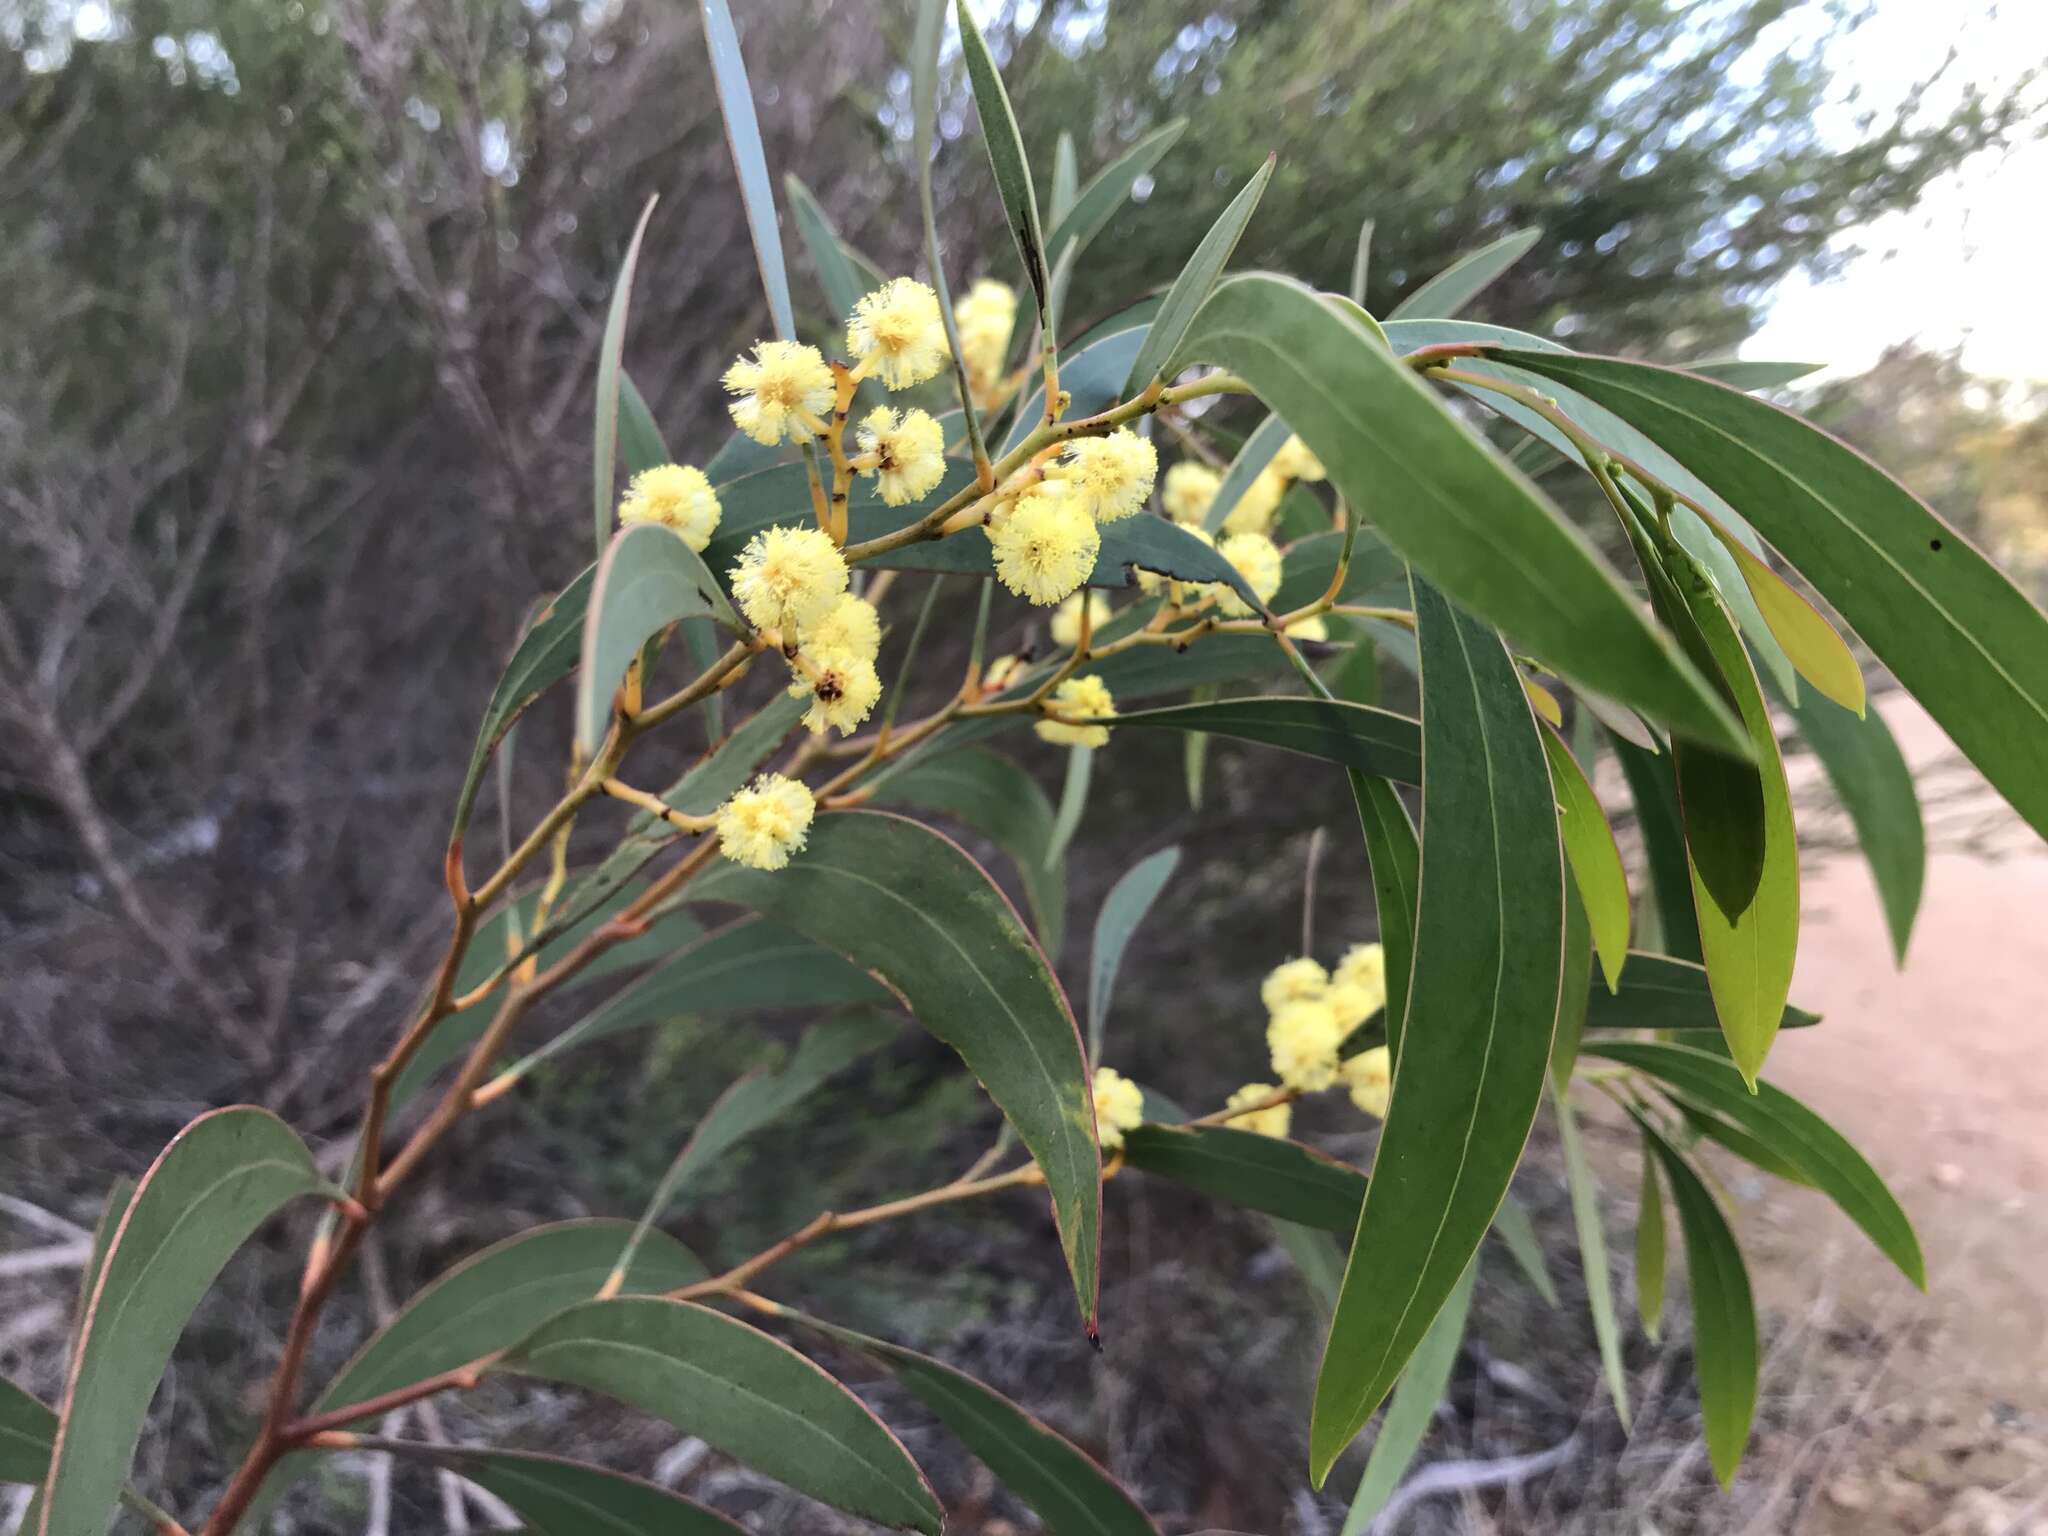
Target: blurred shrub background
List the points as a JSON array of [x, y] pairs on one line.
[[299, 307]]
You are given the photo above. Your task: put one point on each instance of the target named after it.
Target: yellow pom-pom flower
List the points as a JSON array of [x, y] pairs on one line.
[[1082, 698], [1295, 461], [850, 624], [1066, 619], [1119, 1107], [1303, 1037], [1188, 490], [843, 686], [763, 824], [909, 450], [1273, 1120], [1364, 965], [1110, 476], [1296, 981], [675, 496], [782, 391], [1253, 511], [1179, 593], [1370, 1077], [897, 334], [1045, 546], [1257, 559], [788, 578], [986, 316]]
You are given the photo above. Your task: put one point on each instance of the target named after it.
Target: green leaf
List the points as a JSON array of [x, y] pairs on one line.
[[647, 579], [1489, 935], [1260, 1173], [640, 442], [1593, 1255], [1937, 613], [1574, 988], [604, 466], [1414, 1403], [1073, 802], [757, 1400], [1066, 177], [1356, 736], [1123, 909], [1650, 1247], [1005, 147], [1809, 641], [546, 654], [1726, 1133], [1750, 936], [1595, 859], [1518, 1234], [28, 1428], [1361, 263], [1108, 190], [557, 1497], [844, 286], [1875, 786], [1396, 858], [1185, 298], [1256, 452], [1437, 494], [743, 138], [1740, 373], [1724, 1313], [1665, 992], [1053, 1477], [1653, 785], [1466, 278], [220, 1179], [909, 905], [1791, 1130], [1311, 564], [999, 800], [1318, 1258]]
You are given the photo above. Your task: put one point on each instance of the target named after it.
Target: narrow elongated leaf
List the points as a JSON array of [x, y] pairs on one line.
[[757, 1400], [1066, 178], [1422, 1387], [1593, 1255], [1056, 1480], [1123, 909], [640, 441], [909, 905], [546, 654], [220, 1179], [1518, 1234], [1875, 786], [743, 138], [28, 1428], [1653, 785], [557, 1497], [1595, 860], [604, 465], [1184, 299], [1396, 858], [1741, 373], [647, 579], [1574, 991], [1726, 1133], [1355, 736], [1361, 263], [1665, 992], [1723, 1312], [843, 285], [1260, 1173], [1005, 147], [1256, 452], [1108, 190], [1487, 969], [1809, 641], [1946, 622], [999, 800], [1650, 1247], [1437, 494], [1791, 1130], [1465, 279]]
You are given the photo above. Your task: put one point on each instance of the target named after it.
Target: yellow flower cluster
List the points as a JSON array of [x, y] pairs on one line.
[[1370, 1077], [1045, 545], [1310, 1011], [1066, 619], [897, 334], [1273, 1120], [788, 578], [1257, 559], [1119, 1107], [675, 496], [765, 823], [909, 452], [1109, 477], [835, 665], [986, 317], [1190, 489], [1081, 698], [783, 392]]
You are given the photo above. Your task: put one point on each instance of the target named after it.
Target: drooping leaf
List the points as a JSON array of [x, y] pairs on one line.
[[844, 285], [1724, 1132], [220, 1179], [1595, 859], [647, 579], [1574, 988], [1356, 736], [1465, 279], [1260, 1173], [999, 800], [1653, 785], [1593, 1254], [1723, 1312], [1489, 936], [1005, 147], [1650, 1247], [909, 905], [1123, 909], [1185, 297], [1437, 494], [743, 138], [1108, 190], [546, 654], [1413, 1406], [734, 1387], [1257, 451], [558, 1497], [1946, 622], [604, 466], [1511, 1224], [1809, 641], [1665, 992], [1066, 820], [1054, 1478], [1789, 1129]]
